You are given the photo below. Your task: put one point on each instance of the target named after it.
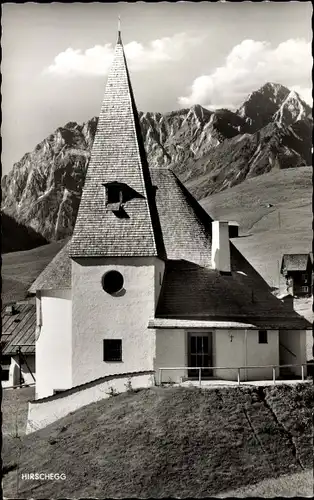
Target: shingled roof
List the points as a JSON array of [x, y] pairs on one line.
[[186, 227], [18, 329], [193, 292], [118, 156], [295, 261], [57, 275]]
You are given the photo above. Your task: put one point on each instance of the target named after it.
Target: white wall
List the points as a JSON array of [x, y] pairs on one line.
[[43, 413], [53, 347], [262, 354], [295, 341], [228, 347], [244, 350], [98, 315], [14, 371], [309, 345], [171, 351], [26, 372], [234, 347]]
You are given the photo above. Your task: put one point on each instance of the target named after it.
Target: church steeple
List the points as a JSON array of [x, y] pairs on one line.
[[117, 214]]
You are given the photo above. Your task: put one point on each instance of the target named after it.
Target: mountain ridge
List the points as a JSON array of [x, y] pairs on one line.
[[210, 151]]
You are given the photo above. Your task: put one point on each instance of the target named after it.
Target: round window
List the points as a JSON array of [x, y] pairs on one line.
[[112, 282]]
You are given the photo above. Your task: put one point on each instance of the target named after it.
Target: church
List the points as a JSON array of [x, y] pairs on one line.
[[149, 280]]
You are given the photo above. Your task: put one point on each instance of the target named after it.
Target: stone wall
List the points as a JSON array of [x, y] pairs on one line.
[[43, 412]]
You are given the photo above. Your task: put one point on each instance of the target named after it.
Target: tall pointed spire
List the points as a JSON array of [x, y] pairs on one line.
[[117, 173]]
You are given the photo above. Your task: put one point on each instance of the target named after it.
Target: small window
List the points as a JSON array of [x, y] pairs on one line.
[[57, 391], [113, 350], [304, 289], [4, 375], [262, 337], [304, 278], [112, 282]]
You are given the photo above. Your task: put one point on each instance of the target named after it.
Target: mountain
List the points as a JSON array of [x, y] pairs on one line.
[[17, 236], [209, 150]]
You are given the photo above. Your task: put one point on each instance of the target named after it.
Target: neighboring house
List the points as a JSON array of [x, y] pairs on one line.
[[18, 344], [297, 270], [148, 279]]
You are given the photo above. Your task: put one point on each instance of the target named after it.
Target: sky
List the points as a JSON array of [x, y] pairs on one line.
[[55, 59]]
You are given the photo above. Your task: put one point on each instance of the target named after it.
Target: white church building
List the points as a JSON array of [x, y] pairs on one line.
[[149, 280]]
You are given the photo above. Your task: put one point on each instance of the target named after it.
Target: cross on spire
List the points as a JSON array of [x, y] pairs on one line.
[[119, 31]]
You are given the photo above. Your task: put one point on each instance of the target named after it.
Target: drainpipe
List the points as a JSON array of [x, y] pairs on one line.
[[245, 353]]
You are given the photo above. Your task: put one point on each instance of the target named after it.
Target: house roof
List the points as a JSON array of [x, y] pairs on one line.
[[19, 329], [171, 323], [191, 292], [118, 156], [164, 323], [57, 275], [295, 261]]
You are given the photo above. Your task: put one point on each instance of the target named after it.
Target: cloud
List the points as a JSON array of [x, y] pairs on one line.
[[97, 60], [250, 65]]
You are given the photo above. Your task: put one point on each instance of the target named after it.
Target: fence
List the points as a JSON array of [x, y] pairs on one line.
[[238, 368], [19, 386]]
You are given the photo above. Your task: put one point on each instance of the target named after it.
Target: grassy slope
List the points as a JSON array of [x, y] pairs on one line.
[[299, 484], [20, 269], [14, 407], [181, 442], [268, 233]]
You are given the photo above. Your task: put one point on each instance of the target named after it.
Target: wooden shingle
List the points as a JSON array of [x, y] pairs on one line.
[[118, 156], [57, 275]]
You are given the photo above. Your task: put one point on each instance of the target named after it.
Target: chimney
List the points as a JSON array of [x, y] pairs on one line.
[[220, 246]]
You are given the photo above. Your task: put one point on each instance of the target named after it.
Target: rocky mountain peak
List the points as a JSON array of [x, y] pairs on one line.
[[292, 109], [209, 151], [261, 105]]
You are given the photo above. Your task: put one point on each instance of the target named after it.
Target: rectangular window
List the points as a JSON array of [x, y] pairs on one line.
[[57, 391], [304, 289], [304, 278], [262, 337], [112, 350], [4, 375]]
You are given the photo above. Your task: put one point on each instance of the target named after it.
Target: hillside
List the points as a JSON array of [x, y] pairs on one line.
[[20, 269], [17, 236], [209, 151], [274, 212], [167, 442]]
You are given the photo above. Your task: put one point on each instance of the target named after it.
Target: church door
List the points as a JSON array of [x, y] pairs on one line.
[[200, 354]]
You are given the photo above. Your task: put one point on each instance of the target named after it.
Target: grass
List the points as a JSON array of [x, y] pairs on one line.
[[14, 410], [299, 484], [20, 269], [161, 442]]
